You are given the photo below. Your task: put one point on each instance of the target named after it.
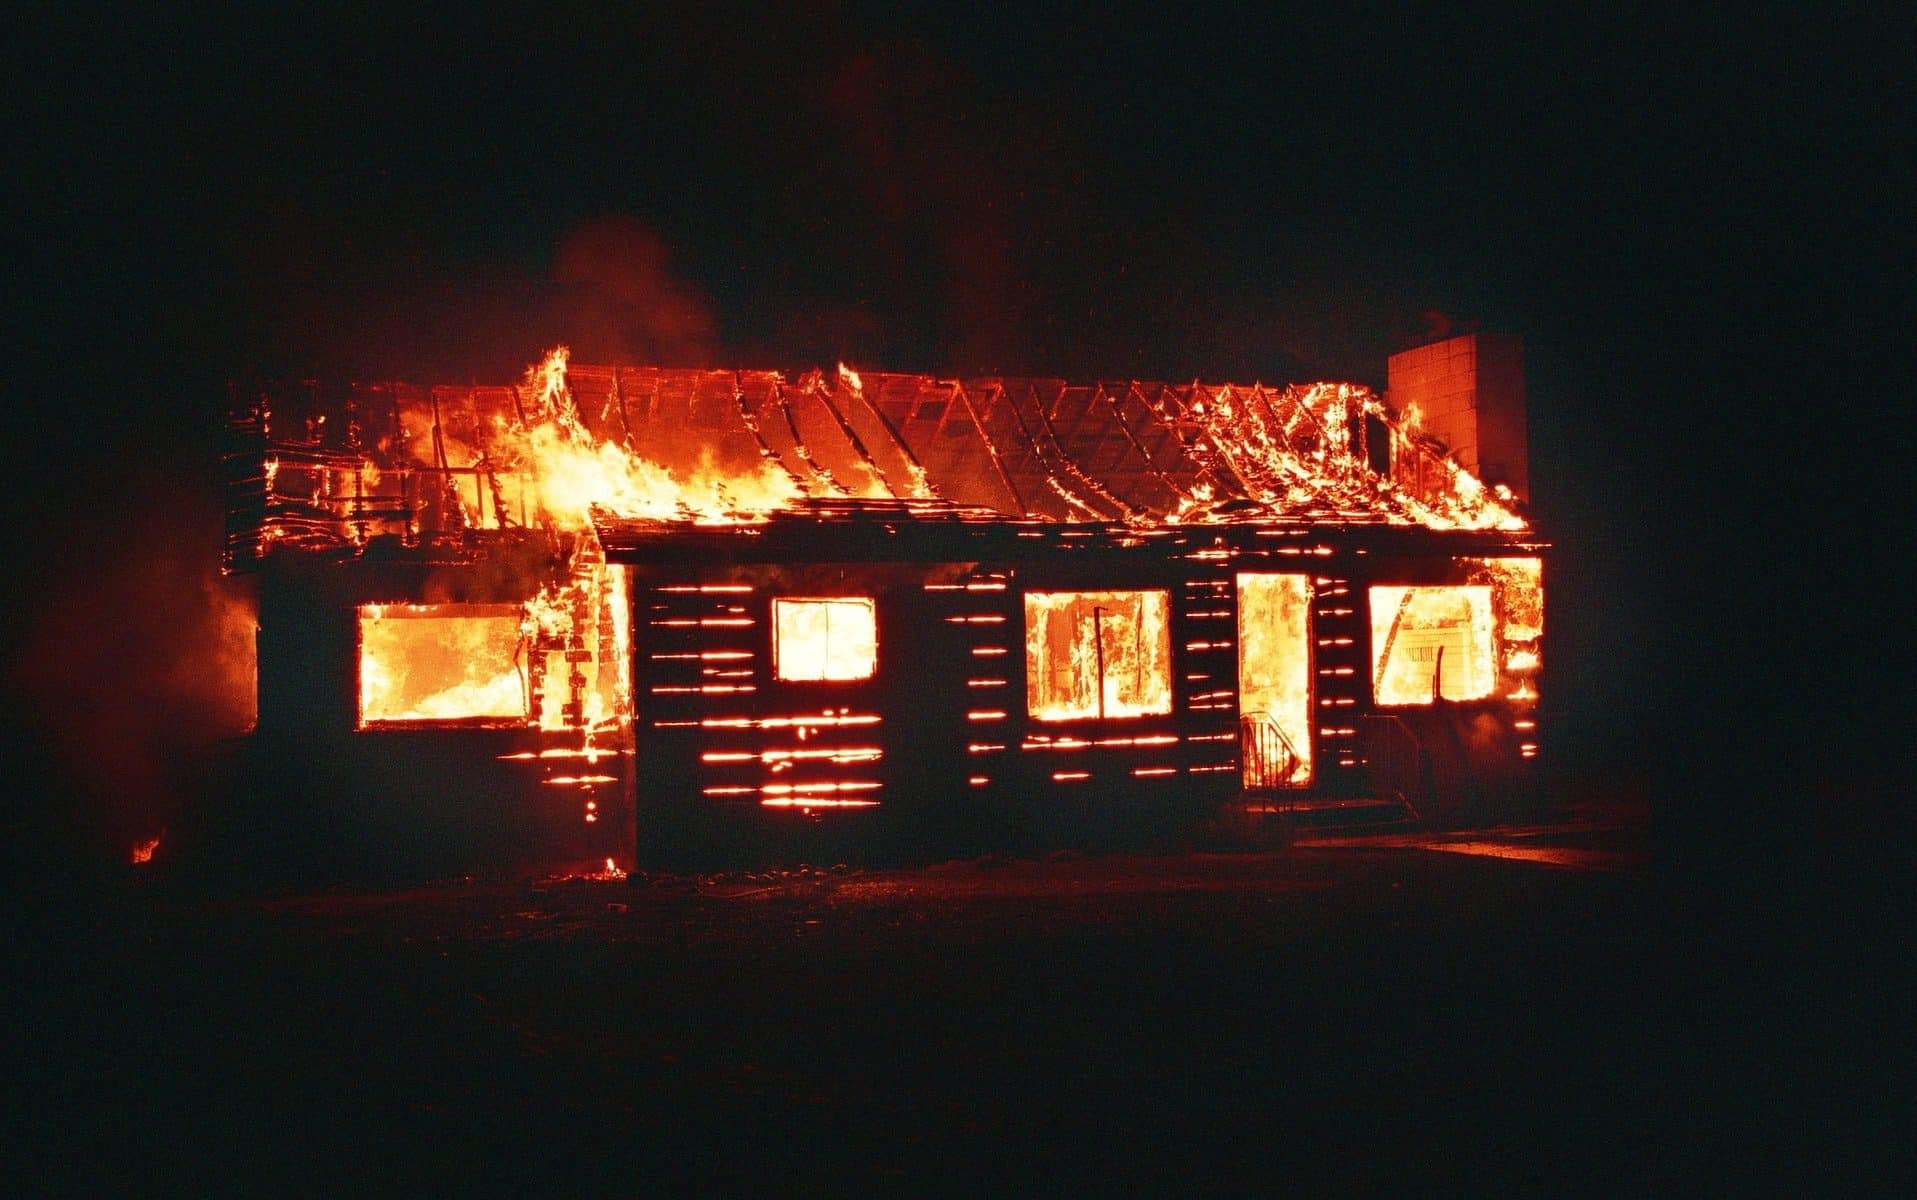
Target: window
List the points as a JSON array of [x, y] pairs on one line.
[[1428, 642], [834, 637], [440, 662], [1097, 654]]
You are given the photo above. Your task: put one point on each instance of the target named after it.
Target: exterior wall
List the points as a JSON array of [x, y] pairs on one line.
[[934, 755], [940, 751], [432, 799], [940, 755], [1469, 394], [1476, 761]]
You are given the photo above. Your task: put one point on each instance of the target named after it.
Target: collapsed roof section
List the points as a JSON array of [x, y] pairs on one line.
[[316, 468]]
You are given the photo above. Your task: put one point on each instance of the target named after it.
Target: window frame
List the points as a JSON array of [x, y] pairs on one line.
[[1481, 638], [869, 604], [438, 612], [1163, 679]]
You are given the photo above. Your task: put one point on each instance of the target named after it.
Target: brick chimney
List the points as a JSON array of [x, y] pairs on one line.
[[1469, 392]]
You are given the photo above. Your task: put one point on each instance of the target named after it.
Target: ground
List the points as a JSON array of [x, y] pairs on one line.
[[1349, 1015]]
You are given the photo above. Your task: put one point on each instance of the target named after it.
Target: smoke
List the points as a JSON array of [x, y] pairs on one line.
[[829, 333], [934, 182], [617, 301], [130, 660], [134, 665], [316, 296]]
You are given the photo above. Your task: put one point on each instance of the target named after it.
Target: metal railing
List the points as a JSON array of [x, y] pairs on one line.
[[1395, 761], [1268, 759]]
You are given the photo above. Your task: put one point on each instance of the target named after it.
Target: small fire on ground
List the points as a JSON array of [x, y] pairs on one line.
[[612, 874]]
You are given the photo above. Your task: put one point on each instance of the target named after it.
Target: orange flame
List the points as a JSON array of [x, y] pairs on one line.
[[577, 471], [825, 638], [1097, 654]]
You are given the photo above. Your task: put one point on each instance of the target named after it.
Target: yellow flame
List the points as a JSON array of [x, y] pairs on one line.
[[577, 471], [1419, 634], [1097, 654], [439, 662], [1274, 663], [825, 638]]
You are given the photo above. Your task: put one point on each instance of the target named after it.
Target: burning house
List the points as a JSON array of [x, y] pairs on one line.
[[739, 616]]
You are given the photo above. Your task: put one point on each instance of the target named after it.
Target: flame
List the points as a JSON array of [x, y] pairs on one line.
[[143, 850], [1274, 662], [612, 874], [824, 638], [1517, 585], [463, 465], [1421, 632], [1517, 600], [426, 662], [1304, 448], [576, 636], [548, 379], [577, 471], [1192, 504], [1097, 654], [561, 654]]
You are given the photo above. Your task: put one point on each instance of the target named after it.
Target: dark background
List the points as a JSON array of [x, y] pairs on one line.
[[1698, 225]]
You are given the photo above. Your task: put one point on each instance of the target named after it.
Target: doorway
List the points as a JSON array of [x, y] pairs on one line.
[[1274, 680]]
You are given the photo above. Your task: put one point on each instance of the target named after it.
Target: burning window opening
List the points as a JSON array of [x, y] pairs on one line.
[[441, 662], [824, 639], [558, 662], [1431, 643], [1097, 654], [1517, 603]]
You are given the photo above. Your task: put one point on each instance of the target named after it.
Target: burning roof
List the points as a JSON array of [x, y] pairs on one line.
[[332, 469]]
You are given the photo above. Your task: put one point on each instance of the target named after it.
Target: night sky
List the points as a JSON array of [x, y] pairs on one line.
[[1699, 227]]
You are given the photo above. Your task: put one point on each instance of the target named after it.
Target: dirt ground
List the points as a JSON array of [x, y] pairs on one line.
[[1349, 1016]]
